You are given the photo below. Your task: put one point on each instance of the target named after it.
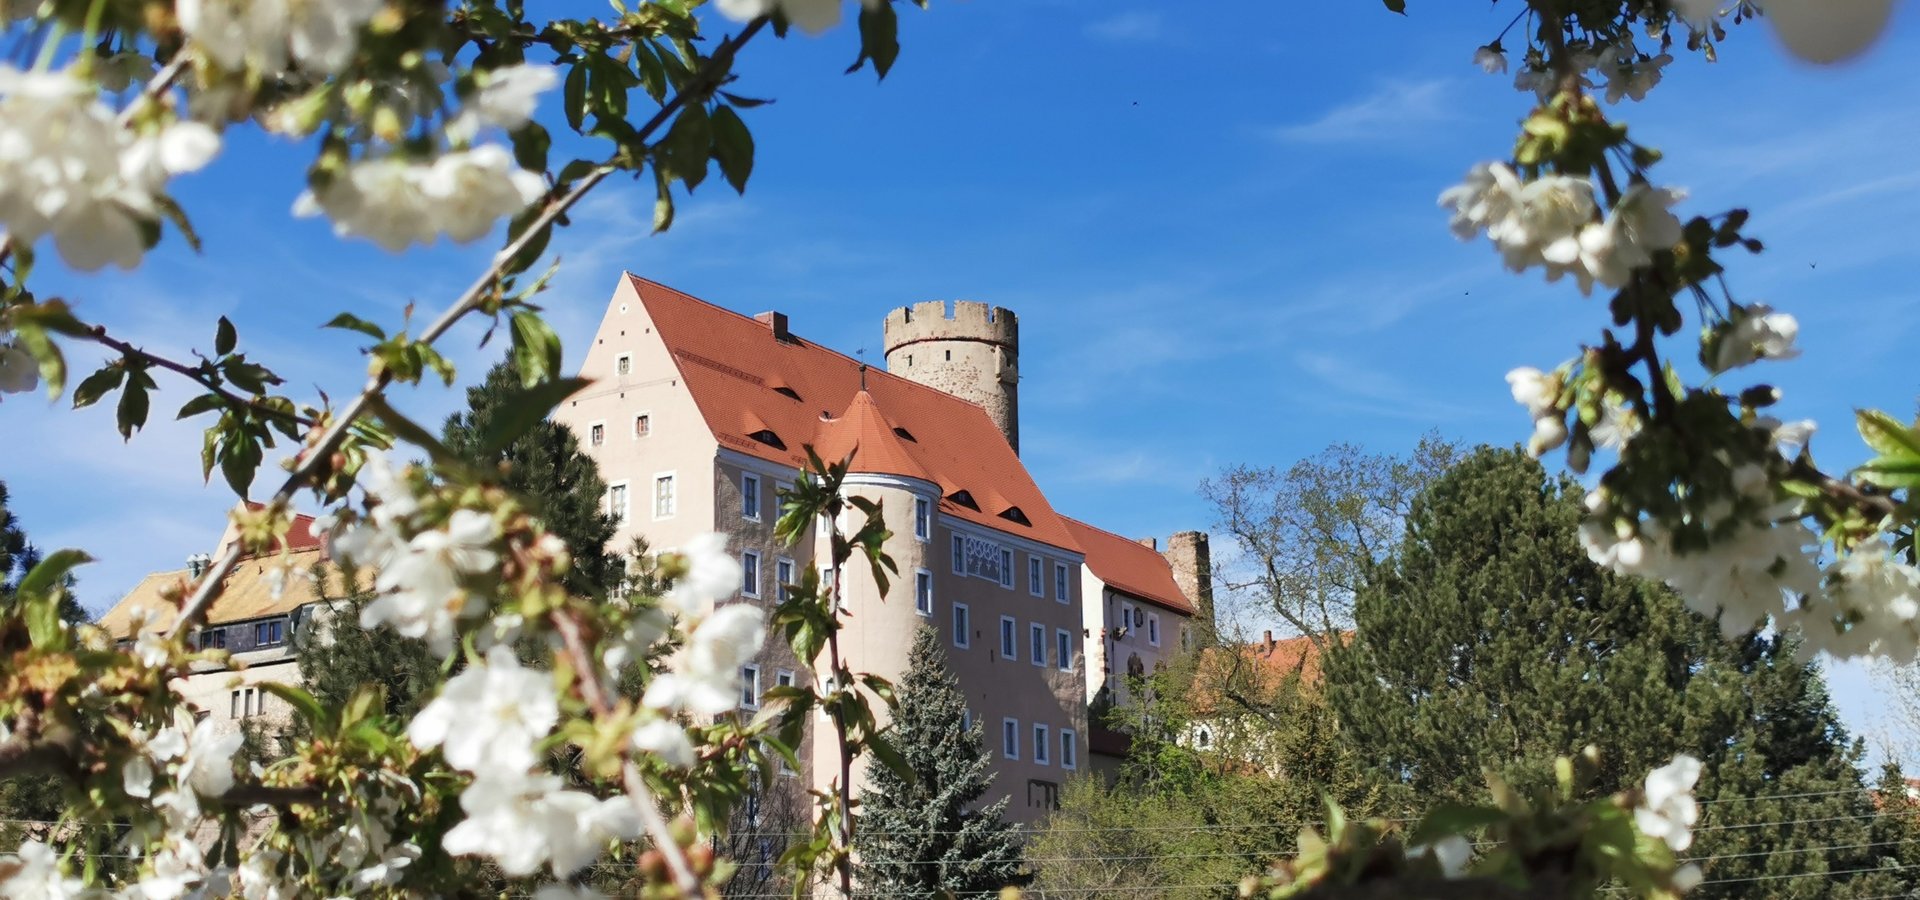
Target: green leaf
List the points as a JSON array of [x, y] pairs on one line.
[[1886, 435], [884, 751], [95, 386], [224, 337], [52, 572], [240, 457], [879, 39], [1454, 818], [134, 402], [1399, 6], [530, 146], [201, 404], [32, 337], [688, 145], [352, 322], [536, 349], [662, 201], [1891, 472], [520, 411], [732, 147], [574, 95]]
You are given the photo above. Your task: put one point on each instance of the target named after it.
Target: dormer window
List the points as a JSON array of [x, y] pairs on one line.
[[785, 391], [767, 437], [962, 498], [904, 434], [1014, 514]]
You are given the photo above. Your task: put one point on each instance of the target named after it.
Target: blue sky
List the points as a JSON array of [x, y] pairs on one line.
[[1219, 232]]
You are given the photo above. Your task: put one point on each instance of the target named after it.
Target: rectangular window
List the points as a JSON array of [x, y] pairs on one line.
[[1037, 643], [959, 555], [1035, 584], [623, 364], [966, 720], [750, 573], [1069, 750], [923, 592], [617, 503], [1009, 643], [233, 707], [750, 497], [1006, 568], [1063, 649], [1040, 742], [1010, 738], [961, 634], [1153, 629], [596, 434], [1126, 616], [642, 425], [750, 687], [783, 678], [922, 518], [266, 634], [1060, 582], [782, 573], [663, 498]]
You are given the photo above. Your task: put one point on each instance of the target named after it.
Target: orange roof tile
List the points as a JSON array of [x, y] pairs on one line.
[[1130, 566], [249, 592], [732, 364]]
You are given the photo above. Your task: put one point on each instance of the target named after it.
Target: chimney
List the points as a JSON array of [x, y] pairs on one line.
[[1188, 555], [1268, 640], [778, 322], [1151, 543]]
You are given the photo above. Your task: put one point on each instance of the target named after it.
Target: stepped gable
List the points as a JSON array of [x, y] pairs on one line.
[[742, 372], [1129, 566]]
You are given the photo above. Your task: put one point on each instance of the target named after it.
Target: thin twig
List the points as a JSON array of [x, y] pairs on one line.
[[199, 374]]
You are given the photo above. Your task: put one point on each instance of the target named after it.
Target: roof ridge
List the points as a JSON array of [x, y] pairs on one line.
[[1109, 532]]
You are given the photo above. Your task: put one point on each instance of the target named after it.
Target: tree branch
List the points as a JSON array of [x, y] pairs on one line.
[[198, 374]]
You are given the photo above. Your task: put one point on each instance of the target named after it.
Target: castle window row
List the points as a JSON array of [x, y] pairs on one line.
[[984, 559], [1037, 644], [1042, 745]]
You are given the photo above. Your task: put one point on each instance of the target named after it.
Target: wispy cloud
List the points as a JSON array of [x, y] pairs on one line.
[[1128, 28], [1385, 112], [1348, 384]]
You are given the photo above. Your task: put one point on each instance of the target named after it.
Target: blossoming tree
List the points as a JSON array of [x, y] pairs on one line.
[[420, 114]]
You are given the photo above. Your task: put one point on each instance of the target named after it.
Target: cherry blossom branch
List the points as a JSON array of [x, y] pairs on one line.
[[26, 754], [644, 803], [198, 374], [321, 451]]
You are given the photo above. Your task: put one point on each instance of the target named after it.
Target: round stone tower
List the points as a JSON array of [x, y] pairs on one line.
[[971, 351]]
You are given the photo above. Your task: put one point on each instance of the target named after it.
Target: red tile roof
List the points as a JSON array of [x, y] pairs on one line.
[[732, 364], [1130, 566]]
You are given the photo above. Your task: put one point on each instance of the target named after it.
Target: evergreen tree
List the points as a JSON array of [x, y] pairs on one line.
[[1490, 641], [26, 800], [545, 467], [926, 838]]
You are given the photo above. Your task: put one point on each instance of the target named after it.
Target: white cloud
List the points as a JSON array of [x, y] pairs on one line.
[[1385, 113], [1128, 28]]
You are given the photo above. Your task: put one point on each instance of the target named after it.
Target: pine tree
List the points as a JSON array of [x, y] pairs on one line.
[[926, 838], [1490, 641], [27, 799], [545, 467]]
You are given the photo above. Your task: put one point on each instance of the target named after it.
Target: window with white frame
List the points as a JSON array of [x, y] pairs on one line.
[[750, 497], [1126, 615], [664, 498], [750, 687], [750, 573], [1040, 741], [1153, 629], [922, 518], [961, 625], [782, 573], [642, 425], [923, 592], [597, 433], [1036, 585], [1069, 749], [1010, 738], [959, 555], [623, 364], [1060, 582], [1006, 568], [1037, 643], [1063, 649], [1009, 641], [617, 502]]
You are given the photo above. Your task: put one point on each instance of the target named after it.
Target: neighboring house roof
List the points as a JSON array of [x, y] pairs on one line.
[[792, 393], [251, 590], [1129, 566], [1254, 668]]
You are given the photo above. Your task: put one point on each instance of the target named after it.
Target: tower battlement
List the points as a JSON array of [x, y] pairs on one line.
[[968, 349]]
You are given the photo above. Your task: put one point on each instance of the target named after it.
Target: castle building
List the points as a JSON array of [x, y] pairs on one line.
[[697, 416]]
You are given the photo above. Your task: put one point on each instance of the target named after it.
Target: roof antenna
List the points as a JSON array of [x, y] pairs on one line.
[[863, 376]]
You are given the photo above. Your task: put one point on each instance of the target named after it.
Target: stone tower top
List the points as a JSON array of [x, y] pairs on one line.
[[970, 350]]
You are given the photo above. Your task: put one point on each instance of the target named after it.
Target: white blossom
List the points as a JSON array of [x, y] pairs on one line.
[[397, 203], [1489, 196], [1872, 603], [19, 372], [33, 873], [259, 881], [1787, 438], [712, 575], [706, 679], [639, 635], [508, 97], [490, 716], [1667, 809], [1452, 853], [207, 764], [524, 821], [1755, 333], [319, 35], [70, 169], [1491, 59], [667, 741], [811, 16], [471, 191], [422, 593], [1549, 432], [1629, 75], [1639, 225], [1617, 426], [1534, 389]]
